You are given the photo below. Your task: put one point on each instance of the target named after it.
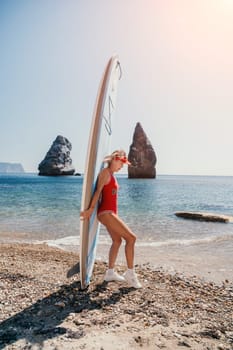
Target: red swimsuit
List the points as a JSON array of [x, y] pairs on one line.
[[108, 200]]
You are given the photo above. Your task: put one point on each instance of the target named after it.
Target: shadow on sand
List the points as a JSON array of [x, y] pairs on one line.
[[41, 320], [74, 270]]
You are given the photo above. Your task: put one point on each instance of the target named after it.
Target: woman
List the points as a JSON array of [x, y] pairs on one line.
[[106, 194]]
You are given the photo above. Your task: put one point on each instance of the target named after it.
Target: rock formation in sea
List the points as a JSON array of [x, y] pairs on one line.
[[57, 160], [11, 168], [141, 156], [212, 217]]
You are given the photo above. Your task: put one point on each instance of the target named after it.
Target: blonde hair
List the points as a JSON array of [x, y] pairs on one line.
[[118, 153]]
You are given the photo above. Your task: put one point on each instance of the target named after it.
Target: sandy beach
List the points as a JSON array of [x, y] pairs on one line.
[[42, 306]]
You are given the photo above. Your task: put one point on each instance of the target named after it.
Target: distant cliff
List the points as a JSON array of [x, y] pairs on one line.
[[11, 168]]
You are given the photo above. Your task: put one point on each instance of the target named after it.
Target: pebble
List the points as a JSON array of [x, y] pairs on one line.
[[184, 343], [60, 304]]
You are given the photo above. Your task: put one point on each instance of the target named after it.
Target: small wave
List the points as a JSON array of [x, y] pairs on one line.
[[64, 241], [187, 242], [73, 241]]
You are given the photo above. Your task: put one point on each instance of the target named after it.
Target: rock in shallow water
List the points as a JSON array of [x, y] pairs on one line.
[[203, 216]]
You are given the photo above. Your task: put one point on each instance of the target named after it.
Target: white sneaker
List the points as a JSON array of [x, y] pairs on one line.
[[111, 275], [131, 278]]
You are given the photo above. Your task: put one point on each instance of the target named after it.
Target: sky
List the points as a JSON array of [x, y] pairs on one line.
[[177, 64]]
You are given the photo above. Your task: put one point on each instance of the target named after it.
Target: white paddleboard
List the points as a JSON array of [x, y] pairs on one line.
[[98, 148]]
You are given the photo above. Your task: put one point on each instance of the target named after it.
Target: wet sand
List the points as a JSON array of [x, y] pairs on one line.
[[211, 263]]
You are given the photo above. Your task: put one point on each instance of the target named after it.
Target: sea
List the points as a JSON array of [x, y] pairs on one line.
[[39, 209]]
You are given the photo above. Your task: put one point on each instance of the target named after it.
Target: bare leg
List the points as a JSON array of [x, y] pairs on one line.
[[118, 230], [129, 252], [113, 252]]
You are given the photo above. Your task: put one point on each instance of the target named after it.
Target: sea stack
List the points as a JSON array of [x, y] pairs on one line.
[[141, 156], [57, 160]]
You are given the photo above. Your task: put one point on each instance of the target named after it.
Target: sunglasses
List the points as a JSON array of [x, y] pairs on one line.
[[123, 159]]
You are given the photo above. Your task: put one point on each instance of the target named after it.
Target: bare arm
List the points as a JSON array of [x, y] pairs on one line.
[[103, 179]]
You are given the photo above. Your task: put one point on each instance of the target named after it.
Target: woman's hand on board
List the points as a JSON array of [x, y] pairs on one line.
[[86, 214]]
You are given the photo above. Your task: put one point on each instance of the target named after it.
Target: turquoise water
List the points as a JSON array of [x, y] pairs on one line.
[[47, 208]]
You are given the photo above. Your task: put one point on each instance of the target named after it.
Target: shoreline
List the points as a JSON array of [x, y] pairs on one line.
[[210, 262], [43, 309], [187, 261]]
